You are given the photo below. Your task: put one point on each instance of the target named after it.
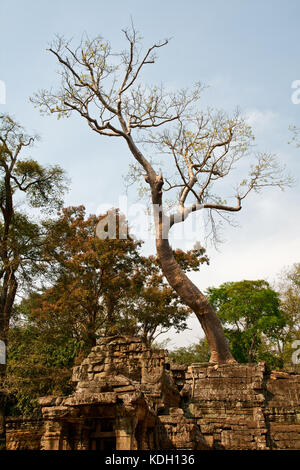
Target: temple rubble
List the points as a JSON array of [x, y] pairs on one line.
[[130, 397]]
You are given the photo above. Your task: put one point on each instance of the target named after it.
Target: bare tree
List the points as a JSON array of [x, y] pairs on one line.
[[198, 149]]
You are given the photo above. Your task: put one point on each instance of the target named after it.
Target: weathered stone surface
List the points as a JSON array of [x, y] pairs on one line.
[[177, 432], [23, 434], [130, 397], [122, 381]]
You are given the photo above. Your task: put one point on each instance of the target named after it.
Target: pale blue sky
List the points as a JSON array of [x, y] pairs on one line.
[[246, 50]]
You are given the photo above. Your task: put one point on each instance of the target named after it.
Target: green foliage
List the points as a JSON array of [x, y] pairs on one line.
[[21, 237], [290, 303], [43, 186], [39, 363], [253, 320], [198, 352]]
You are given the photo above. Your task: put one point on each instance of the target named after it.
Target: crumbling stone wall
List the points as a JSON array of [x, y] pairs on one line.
[[127, 383], [23, 433], [130, 397], [282, 410], [242, 406]]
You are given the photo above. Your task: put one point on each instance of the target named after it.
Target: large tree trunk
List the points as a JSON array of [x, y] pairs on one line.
[[3, 337], [194, 298], [2, 409], [184, 287]]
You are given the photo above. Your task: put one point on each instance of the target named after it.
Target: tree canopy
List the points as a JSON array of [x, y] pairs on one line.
[[20, 235], [252, 317]]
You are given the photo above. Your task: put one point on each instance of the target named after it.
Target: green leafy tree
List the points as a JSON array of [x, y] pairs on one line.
[[290, 297], [253, 320], [289, 288], [198, 352], [42, 187], [40, 362]]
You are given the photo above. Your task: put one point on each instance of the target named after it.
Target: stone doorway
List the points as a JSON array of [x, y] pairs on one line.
[[104, 444], [103, 435]]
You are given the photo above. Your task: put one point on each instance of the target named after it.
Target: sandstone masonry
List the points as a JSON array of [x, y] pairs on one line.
[[130, 397]]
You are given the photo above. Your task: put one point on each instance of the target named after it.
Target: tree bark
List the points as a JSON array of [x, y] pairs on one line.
[[8, 294], [185, 288], [2, 409], [3, 337], [194, 298]]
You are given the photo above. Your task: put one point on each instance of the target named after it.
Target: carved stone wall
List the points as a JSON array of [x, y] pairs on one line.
[[130, 397]]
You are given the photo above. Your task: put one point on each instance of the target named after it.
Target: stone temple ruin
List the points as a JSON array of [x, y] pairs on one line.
[[130, 397]]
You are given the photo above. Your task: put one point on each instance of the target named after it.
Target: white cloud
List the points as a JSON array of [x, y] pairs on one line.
[[261, 120]]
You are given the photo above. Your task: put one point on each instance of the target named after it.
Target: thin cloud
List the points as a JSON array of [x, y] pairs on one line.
[[261, 120]]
